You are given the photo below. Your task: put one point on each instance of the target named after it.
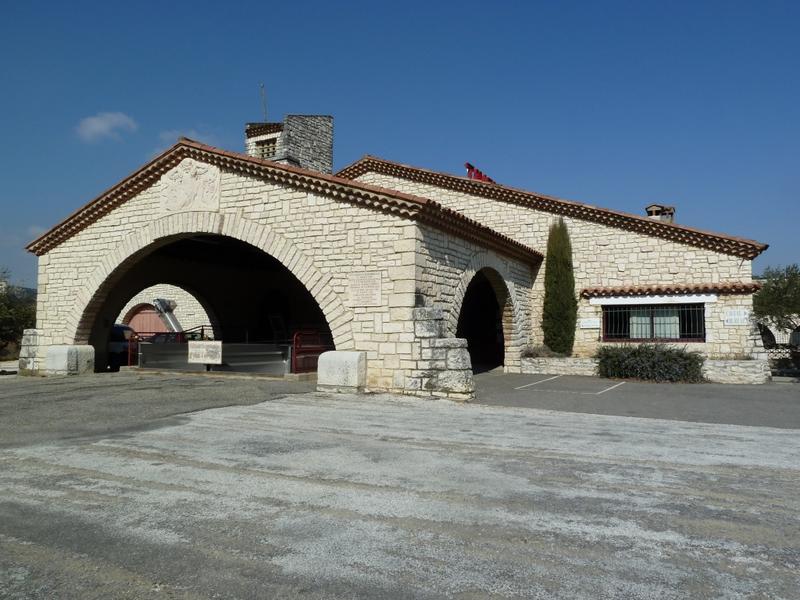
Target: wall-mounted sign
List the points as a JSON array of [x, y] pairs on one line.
[[365, 288], [205, 353], [736, 316], [589, 323]]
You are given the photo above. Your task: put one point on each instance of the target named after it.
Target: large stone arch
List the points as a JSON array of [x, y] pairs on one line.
[[498, 273], [162, 231]]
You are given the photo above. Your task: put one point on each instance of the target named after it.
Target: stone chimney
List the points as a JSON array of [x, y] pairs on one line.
[[304, 141], [661, 212]]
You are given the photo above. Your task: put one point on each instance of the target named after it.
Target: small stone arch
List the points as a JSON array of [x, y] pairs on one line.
[[166, 229], [497, 272], [197, 305], [131, 312]]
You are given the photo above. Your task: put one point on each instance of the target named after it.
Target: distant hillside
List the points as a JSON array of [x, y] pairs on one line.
[[24, 293]]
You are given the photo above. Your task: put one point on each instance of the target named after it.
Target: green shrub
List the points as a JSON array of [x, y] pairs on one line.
[[560, 310], [651, 362]]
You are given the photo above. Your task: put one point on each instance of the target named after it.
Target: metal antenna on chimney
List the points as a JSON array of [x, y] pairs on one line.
[[264, 102]]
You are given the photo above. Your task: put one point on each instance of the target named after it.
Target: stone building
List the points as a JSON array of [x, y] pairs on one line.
[[409, 266]]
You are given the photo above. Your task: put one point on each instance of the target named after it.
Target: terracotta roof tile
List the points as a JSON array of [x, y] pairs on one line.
[[342, 190], [724, 244], [735, 287], [254, 129]]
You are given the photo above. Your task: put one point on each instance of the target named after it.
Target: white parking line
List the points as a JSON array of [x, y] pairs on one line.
[[611, 388], [537, 382]]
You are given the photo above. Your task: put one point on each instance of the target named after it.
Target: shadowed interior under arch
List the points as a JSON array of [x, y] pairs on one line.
[[481, 323], [253, 296]]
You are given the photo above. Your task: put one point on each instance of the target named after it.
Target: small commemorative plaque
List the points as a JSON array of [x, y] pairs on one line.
[[736, 316], [590, 323], [365, 288], [205, 353]]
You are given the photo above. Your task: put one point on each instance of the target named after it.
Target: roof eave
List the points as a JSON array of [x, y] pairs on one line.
[[741, 247], [374, 197]]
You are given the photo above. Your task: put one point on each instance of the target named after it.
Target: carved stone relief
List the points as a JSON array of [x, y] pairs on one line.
[[191, 185]]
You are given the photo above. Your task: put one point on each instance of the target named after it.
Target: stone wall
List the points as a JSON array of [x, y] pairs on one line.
[[560, 366], [604, 257], [188, 310], [715, 371], [737, 371]]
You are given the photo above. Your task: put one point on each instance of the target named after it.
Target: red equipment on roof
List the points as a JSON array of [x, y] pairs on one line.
[[475, 173]]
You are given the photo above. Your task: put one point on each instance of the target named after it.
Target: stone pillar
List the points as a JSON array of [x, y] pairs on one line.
[[31, 354], [444, 367]]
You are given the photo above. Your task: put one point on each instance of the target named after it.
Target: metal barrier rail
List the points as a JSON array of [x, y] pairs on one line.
[[306, 348], [167, 350], [164, 337], [266, 359]]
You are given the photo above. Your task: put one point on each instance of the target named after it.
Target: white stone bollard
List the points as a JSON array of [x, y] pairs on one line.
[[69, 360], [339, 371]]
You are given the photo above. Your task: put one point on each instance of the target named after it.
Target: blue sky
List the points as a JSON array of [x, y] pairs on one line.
[[618, 104]]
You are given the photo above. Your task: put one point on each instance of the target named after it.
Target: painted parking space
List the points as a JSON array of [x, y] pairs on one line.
[[567, 384], [769, 405]]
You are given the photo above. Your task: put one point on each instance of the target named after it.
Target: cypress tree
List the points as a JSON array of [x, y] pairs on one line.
[[560, 305]]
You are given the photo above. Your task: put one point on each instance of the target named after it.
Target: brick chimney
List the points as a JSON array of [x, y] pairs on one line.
[[300, 140], [661, 212]]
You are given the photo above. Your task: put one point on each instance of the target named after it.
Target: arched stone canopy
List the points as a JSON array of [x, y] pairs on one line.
[[361, 253], [514, 323], [169, 228]]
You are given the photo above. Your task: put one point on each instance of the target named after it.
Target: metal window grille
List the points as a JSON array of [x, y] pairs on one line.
[[656, 322]]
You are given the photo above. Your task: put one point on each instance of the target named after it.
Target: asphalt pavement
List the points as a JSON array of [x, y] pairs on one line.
[[308, 495], [768, 405], [40, 409]]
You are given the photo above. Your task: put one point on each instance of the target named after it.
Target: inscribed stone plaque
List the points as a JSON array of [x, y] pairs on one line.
[[736, 316], [205, 353], [590, 323], [365, 289]]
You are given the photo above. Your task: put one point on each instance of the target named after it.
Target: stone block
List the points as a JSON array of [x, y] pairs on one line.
[[428, 329], [401, 300], [428, 314], [460, 382], [29, 352], [458, 358], [450, 343], [69, 360], [387, 348], [340, 371]]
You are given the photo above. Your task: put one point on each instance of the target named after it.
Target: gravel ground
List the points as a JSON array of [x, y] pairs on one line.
[[317, 496]]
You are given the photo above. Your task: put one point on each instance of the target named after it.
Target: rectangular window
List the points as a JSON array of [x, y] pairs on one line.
[[656, 322]]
